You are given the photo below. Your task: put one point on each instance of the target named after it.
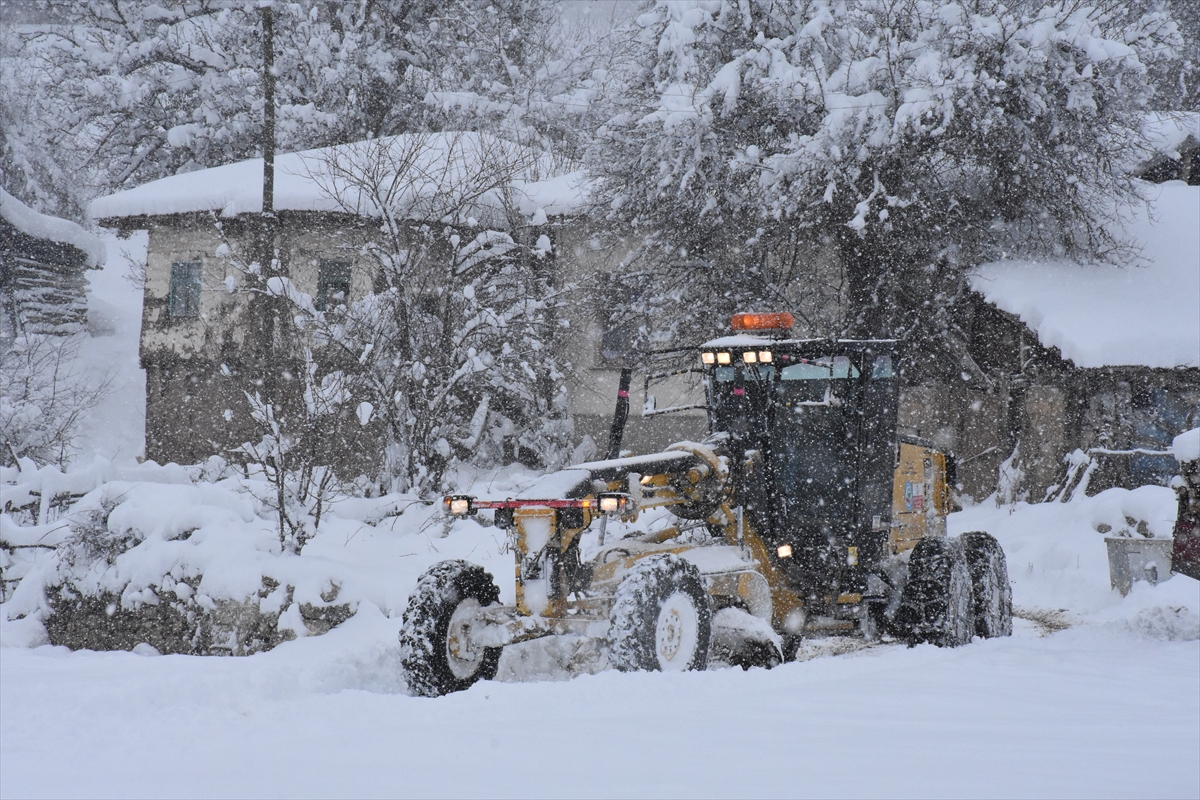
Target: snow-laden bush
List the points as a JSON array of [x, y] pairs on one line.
[[187, 566]]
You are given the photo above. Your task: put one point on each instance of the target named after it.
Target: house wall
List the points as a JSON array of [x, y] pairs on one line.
[[584, 253], [195, 382]]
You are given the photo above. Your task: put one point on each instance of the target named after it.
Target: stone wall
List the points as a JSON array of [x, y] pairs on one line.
[[970, 424], [43, 287], [196, 380]]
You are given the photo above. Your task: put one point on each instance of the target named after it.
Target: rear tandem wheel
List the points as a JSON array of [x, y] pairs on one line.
[[938, 602], [989, 582]]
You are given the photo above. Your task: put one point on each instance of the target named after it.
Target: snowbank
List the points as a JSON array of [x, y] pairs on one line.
[[42, 226], [148, 534], [1103, 316], [440, 164], [1058, 561]]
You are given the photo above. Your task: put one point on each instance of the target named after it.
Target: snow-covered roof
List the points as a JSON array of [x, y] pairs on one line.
[[1098, 316], [1167, 131], [441, 172], [42, 226]]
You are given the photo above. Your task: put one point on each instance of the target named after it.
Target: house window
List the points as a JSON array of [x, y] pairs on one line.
[[185, 289], [333, 284], [620, 327]]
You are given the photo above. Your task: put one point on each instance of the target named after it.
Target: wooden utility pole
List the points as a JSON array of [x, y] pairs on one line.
[[268, 140], [268, 351]]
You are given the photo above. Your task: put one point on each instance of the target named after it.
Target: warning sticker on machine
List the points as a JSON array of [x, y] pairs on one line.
[[914, 496]]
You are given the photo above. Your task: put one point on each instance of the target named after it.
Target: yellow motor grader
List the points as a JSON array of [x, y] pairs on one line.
[[803, 513]]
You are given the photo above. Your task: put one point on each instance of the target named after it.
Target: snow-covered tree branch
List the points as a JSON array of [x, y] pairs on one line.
[[896, 144]]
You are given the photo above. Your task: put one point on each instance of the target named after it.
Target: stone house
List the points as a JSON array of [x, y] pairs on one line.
[[1099, 361], [43, 261], [201, 229]]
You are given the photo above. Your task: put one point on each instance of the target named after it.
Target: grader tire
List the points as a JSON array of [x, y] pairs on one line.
[[431, 657], [660, 619], [938, 604], [989, 584]]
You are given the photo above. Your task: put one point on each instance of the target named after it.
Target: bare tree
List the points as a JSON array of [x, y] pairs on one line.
[[454, 348], [293, 457], [43, 398]]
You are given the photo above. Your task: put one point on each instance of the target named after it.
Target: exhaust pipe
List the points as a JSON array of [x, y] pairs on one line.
[[620, 416]]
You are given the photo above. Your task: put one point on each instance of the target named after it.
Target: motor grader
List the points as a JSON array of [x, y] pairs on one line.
[[803, 513]]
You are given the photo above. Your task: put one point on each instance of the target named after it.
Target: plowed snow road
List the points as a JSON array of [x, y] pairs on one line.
[[1093, 711]]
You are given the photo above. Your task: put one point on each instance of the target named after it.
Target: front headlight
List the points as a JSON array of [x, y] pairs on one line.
[[750, 357], [458, 505], [785, 551], [613, 503], [764, 356], [708, 357], [723, 358]]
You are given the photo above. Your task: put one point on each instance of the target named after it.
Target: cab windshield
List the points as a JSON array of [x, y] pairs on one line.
[[818, 380]]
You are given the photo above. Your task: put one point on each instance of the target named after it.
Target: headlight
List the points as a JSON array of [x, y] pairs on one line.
[[612, 503], [749, 357], [458, 505], [708, 357], [764, 356], [722, 358], [785, 551]]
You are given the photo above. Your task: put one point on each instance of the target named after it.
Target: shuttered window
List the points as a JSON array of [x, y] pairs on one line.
[[185, 289], [333, 284]]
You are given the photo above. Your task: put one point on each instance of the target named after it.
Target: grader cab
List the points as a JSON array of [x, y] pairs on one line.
[[803, 513]]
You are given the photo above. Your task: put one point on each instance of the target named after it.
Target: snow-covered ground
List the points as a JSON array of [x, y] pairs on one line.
[[116, 429], [1095, 695]]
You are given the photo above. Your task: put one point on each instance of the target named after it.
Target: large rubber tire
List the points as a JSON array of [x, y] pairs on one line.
[[989, 584], [431, 657], [938, 603], [660, 619]]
